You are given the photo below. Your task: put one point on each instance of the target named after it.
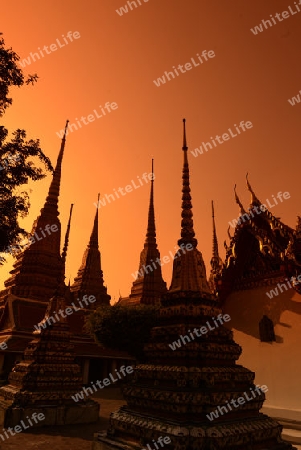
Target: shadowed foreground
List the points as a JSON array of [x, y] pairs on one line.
[[70, 436]]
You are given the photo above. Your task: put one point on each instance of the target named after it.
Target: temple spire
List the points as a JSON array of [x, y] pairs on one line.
[[242, 210], [89, 279], [215, 255], [189, 271], [94, 235], [38, 268], [64, 252], [149, 284], [151, 227], [52, 199], [187, 231], [216, 262]]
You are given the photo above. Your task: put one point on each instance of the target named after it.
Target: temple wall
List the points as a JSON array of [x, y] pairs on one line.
[[276, 364]]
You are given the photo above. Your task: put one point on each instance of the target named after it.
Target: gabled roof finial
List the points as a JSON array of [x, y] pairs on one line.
[[254, 198], [242, 210]]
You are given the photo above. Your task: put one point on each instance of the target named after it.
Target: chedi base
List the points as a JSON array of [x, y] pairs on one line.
[[87, 412]]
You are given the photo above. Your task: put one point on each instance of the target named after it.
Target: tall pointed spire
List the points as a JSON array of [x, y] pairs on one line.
[[64, 253], [94, 235], [215, 255], [37, 269], [89, 279], [216, 261], [187, 231], [54, 189], [149, 285], [189, 272], [151, 227]]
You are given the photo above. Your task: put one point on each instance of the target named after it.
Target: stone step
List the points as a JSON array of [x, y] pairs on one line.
[[292, 436]]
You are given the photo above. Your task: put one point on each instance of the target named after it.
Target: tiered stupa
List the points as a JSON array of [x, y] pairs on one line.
[[89, 280], [95, 360], [47, 377], [149, 286], [34, 278], [33, 282], [174, 393]]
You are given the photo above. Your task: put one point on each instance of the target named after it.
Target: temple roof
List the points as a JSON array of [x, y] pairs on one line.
[[258, 250]]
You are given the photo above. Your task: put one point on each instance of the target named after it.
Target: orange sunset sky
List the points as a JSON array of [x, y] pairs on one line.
[[115, 59]]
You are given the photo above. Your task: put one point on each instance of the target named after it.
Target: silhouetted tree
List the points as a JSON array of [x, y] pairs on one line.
[[17, 157], [10, 75], [122, 327]]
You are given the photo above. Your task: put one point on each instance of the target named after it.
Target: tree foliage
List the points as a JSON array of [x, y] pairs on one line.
[[17, 157], [124, 328], [16, 168], [10, 75]]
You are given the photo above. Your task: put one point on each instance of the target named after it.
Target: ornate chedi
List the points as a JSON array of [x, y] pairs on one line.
[[47, 377], [36, 272], [89, 280], [149, 286], [174, 393], [34, 280], [36, 269]]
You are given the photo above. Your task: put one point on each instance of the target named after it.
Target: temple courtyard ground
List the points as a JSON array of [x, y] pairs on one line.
[[75, 437]]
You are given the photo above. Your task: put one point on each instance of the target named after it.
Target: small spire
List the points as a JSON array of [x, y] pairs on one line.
[[64, 252], [254, 199], [151, 226], [187, 231], [215, 254], [242, 210]]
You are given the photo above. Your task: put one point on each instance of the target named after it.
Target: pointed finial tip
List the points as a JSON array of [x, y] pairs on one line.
[[66, 127], [184, 136], [152, 180]]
